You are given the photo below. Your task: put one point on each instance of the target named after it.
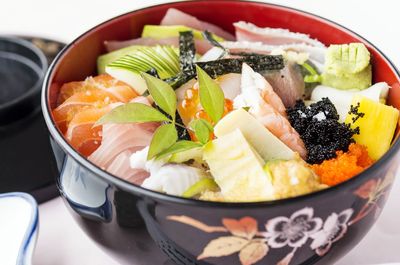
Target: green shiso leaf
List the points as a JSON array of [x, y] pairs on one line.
[[211, 95], [162, 93], [178, 147], [132, 112], [200, 186], [164, 137], [202, 129]]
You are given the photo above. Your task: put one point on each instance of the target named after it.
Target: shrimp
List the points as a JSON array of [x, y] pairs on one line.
[[268, 108]]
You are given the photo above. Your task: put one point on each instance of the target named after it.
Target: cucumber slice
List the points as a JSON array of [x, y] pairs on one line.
[[105, 59], [163, 32], [164, 59]]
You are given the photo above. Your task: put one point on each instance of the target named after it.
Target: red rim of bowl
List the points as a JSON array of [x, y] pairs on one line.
[[127, 186]]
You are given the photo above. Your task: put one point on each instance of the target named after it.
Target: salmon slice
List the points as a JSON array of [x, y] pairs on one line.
[[266, 106], [115, 88], [96, 92], [81, 134], [78, 102]]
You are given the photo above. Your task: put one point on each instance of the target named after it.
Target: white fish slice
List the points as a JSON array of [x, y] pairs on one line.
[[274, 36], [121, 168], [316, 53], [177, 17]]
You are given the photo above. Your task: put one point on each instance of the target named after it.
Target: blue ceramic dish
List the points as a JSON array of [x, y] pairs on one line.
[[136, 226], [18, 228]]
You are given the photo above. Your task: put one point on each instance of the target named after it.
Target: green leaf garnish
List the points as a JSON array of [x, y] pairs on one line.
[[211, 95], [202, 129], [162, 93], [132, 112], [178, 147], [164, 137]]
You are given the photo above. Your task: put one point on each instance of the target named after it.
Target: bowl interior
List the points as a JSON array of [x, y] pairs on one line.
[[78, 60]]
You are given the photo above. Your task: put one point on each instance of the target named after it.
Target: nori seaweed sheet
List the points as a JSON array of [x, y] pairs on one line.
[[257, 62], [187, 52]]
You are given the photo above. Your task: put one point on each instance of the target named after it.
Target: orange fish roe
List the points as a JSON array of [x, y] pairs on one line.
[[344, 166], [191, 109]]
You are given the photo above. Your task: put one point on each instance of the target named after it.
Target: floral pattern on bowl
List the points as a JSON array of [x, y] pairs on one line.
[[293, 231]]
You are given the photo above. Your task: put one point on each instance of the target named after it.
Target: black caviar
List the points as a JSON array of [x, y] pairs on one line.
[[320, 129]]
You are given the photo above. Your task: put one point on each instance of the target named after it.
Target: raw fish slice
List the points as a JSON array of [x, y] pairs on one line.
[[274, 36], [267, 107], [316, 53], [64, 113], [120, 90], [254, 87], [280, 127], [177, 17], [202, 46], [120, 167], [118, 138], [230, 84], [117, 89], [288, 83], [81, 134]]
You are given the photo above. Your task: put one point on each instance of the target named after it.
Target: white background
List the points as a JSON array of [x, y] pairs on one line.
[[61, 242]]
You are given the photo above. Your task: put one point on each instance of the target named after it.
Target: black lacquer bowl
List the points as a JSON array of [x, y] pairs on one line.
[[135, 225]]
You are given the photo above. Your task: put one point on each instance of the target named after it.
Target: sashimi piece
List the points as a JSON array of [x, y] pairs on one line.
[[79, 101], [202, 46], [230, 85], [316, 53], [81, 134], [255, 88], [107, 83], [120, 90], [118, 138], [266, 106], [274, 36], [288, 83], [121, 168], [177, 17]]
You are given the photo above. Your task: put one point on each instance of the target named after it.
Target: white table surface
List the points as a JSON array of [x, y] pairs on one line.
[[61, 242]]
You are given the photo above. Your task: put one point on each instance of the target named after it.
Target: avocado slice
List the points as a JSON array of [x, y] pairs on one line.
[[105, 59], [164, 59]]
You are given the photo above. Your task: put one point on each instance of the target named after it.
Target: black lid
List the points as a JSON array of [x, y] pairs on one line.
[[22, 69]]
